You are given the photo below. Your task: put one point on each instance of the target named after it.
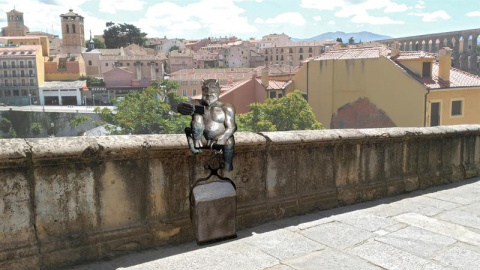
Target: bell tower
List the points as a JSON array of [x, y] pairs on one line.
[[73, 36], [15, 26]]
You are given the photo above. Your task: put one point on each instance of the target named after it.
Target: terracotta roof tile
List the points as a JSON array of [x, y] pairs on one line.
[[360, 53], [413, 55], [458, 78]]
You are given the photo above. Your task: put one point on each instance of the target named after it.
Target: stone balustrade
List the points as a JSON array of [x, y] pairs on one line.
[[69, 200]]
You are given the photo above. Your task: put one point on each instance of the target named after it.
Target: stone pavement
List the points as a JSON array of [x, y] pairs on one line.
[[437, 228]]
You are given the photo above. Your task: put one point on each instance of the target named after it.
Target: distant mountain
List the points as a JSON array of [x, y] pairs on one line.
[[360, 36]]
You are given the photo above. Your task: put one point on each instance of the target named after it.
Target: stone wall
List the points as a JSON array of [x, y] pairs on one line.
[[69, 200]]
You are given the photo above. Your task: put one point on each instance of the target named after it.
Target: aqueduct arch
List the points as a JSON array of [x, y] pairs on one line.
[[465, 54]]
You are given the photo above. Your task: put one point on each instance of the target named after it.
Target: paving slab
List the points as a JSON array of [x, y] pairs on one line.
[[441, 227], [460, 258], [417, 241], [330, 259], [337, 235], [274, 243], [367, 222], [389, 257], [461, 218]]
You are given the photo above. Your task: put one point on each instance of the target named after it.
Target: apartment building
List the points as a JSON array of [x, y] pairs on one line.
[[28, 40], [21, 73], [294, 53], [178, 60], [272, 39]]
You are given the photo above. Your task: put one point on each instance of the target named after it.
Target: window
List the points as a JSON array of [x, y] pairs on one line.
[[5, 74], [31, 82], [106, 64], [24, 92], [23, 82], [30, 64], [16, 93], [194, 92], [8, 93], [67, 28], [300, 50], [73, 28], [14, 82], [4, 64], [301, 57], [13, 64], [426, 69], [457, 108], [21, 64], [22, 73], [310, 50], [89, 62], [273, 94], [14, 73], [6, 82], [184, 92]]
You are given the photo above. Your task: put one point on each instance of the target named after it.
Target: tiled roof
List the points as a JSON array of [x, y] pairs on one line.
[[360, 53], [458, 78], [413, 55], [21, 51]]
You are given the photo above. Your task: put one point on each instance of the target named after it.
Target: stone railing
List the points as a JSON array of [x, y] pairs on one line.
[[70, 200]]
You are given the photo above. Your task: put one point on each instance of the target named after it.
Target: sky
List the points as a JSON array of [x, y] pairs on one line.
[[195, 19]]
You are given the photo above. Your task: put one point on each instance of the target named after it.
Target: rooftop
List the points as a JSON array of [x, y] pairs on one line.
[[407, 55], [63, 85], [458, 79], [356, 53]]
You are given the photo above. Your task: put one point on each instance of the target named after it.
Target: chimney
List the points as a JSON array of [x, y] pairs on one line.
[[444, 63], [265, 80], [395, 51]]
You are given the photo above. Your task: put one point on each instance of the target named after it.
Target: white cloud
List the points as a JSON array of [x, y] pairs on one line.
[[432, 17], [111, 6], [293, 18], [474, 14], [317, 18], [394, 7], [357, 10], [193, 20], [331, 22], [259, 20], [420, 5]]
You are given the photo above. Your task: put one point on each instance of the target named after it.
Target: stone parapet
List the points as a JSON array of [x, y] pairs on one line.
[[69, 200]]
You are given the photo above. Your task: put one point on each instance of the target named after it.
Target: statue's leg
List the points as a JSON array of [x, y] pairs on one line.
[[228, 153], [197, 130], [188, 132]]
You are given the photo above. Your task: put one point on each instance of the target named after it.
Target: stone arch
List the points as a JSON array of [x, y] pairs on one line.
[[417, 46], [430, 45], [461, 44], [424, 48], [470, 44], [360, 114], [469, 62]]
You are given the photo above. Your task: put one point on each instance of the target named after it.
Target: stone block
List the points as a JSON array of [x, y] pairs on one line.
[[213, 211]]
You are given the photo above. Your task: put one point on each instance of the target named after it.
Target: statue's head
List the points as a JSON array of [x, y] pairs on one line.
[[210, 91]]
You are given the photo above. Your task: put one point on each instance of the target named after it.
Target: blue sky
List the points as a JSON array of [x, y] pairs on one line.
[[194, 19]]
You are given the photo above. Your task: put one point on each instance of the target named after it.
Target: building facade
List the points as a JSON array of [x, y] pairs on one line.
[[64, 67], [21, 73]]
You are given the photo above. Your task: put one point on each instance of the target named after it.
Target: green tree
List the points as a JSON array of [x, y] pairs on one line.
[[36, 128], [98, 44], [121, 35], [290, 112], [351, 40], [12, 133], [339, 40], [147, 112], [5, 125], [174, 47], [92, 81]]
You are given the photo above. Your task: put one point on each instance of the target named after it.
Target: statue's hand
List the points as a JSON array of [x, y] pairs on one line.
[[197, 144], [221, 141], [186, 108]]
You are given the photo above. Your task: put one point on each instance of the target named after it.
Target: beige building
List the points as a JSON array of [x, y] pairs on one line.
[[73, 34], [54, 42], [370, 88], [21, 72], [28, 40], [144, 67], [178, 60], [16, 26], [294, 53], [272, 40]]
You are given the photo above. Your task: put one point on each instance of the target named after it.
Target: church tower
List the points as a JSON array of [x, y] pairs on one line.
[[15, 24], [73, 37]]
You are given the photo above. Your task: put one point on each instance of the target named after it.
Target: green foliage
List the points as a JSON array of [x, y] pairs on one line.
[[174, 47], [351, 40], [5, 125], [12, 133], [92, 81], [36, 128], [147, 112], [79, 120], [122, 35], [98, 44], [291, 112], [339, 40]]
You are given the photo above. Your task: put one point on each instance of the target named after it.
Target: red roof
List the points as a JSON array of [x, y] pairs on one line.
[[458, 78]]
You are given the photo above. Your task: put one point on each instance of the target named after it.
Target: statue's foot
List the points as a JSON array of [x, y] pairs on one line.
[[197, 144]]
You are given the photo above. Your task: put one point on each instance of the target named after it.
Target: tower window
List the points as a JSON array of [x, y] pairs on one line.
[[73, 28], [67, 28]]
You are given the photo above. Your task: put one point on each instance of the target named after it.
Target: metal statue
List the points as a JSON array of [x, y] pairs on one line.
[[213, 123]]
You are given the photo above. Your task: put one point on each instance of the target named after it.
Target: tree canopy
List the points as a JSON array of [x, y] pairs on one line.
[[121, 35], [351, 40], [98, 43], [290, 112], [148, 112]]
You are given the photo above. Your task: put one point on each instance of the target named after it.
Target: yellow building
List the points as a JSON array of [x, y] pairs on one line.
[[29, 40], [64, 67], [21, 73], [371, 87]]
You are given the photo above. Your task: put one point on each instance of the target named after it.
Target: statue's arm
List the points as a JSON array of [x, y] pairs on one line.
[[189, 108], [230, 126]]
